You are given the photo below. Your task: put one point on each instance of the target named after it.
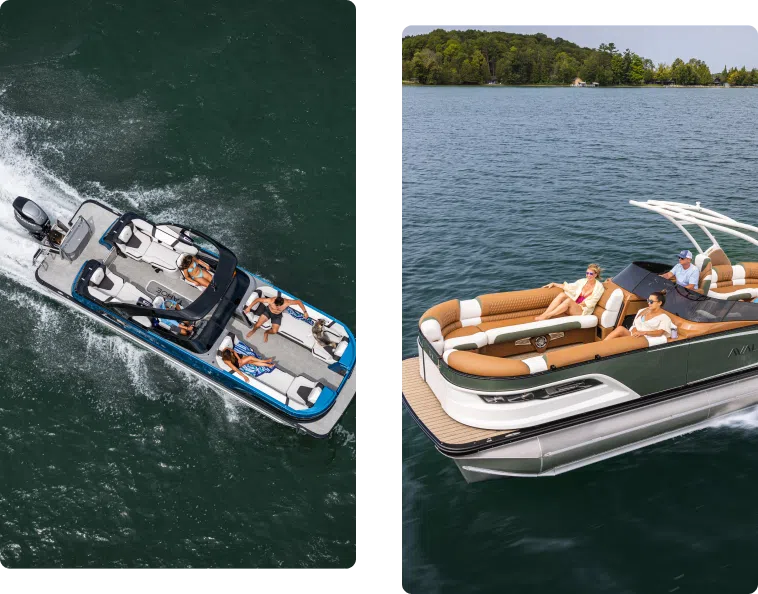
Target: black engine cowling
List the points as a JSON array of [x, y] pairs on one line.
[[31, 217]]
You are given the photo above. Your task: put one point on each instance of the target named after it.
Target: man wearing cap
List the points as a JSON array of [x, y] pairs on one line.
[[685, 273]]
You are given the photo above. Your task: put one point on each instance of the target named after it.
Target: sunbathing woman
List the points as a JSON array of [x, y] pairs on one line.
[[196, 271], [651, 321], [235, 361], [577, 299]]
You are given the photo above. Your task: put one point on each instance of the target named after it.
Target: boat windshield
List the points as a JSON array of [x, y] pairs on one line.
[[643, 279]]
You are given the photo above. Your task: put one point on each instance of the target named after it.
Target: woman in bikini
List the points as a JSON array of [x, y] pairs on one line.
[[577, 299], [236, 361], [196, 271], [651, 321]]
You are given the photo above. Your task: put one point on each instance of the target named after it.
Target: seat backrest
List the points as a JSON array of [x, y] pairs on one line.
[[706, 272], [609, 307]]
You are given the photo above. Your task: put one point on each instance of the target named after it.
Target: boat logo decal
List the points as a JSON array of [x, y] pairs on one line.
[[736, 352]]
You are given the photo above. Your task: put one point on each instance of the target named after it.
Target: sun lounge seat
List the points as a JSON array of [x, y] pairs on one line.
[[297, 392], [158, 246], [109, 287]]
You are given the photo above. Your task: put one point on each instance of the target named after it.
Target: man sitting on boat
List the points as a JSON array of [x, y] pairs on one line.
[[274, 309], [685, 273]]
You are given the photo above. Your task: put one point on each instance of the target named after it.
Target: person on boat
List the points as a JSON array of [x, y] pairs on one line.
[[195, 271], [183, 328], [685, 273], [577, 299], [237, 361], [651, 321], [275, 307]]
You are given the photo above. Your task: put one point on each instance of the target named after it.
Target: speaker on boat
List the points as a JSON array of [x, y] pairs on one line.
[[31, 217]]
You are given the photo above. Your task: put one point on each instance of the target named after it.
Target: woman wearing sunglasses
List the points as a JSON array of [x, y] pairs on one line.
[[651, 321], [577, 299]]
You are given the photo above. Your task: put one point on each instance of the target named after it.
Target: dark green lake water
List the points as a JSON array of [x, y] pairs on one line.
[[511, 188], [237, 119]]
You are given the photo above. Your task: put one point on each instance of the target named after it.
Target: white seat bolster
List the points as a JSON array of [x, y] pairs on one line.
[[738, 273], [341, 348], [438, 345], [432, 330], [470, 308], [446, 355], [471, 322], [753, 293], [125, 235], [536, 364]]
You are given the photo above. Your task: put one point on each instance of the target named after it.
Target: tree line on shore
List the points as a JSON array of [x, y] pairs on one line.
[[479, 57]]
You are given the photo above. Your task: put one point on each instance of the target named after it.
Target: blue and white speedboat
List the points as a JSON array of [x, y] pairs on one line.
[[126, 272]]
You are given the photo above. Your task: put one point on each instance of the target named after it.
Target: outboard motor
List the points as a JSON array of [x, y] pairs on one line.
[[32, 218]]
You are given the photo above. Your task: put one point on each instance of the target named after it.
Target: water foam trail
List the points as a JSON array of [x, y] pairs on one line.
[[744, 420], [22, 174]]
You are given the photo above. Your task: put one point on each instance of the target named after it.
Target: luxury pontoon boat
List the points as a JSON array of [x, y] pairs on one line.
[[505, 395], [128, 273]]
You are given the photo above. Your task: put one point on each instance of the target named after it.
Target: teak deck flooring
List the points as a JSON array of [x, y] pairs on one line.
[[424, 404]]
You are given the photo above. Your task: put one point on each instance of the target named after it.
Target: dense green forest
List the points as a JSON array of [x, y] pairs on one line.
[[479, 57]]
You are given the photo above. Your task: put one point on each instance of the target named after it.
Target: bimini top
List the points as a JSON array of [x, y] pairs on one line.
[[643, 278]]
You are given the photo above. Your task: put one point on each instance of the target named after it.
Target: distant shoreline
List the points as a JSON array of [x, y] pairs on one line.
[[411, 83]]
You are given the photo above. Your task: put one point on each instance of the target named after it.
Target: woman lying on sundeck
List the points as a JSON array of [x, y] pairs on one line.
[[196, 271], [236, 361]]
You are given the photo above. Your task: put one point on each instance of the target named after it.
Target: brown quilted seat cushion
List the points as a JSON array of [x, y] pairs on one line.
[[467, 331], [516, 301], [719, 258], [446, 313], [587, 352], [484, 365], [724, 273]]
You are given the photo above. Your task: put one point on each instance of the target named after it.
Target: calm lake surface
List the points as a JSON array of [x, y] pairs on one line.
[[511, 188], [239, 120]]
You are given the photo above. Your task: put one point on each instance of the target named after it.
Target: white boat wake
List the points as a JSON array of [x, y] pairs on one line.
[[22, 174]]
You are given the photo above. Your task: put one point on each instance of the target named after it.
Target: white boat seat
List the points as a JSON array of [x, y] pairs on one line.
[[103, 284], [161, 256], [304, 391], [168, 236], [158, 246], [109, 287], [133, 242], [279, 380]]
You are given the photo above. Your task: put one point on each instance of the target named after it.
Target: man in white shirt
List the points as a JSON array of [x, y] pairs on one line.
[[685, 273]]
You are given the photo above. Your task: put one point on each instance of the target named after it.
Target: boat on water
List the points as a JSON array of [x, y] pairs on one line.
[[131, 275], [504, 395]]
